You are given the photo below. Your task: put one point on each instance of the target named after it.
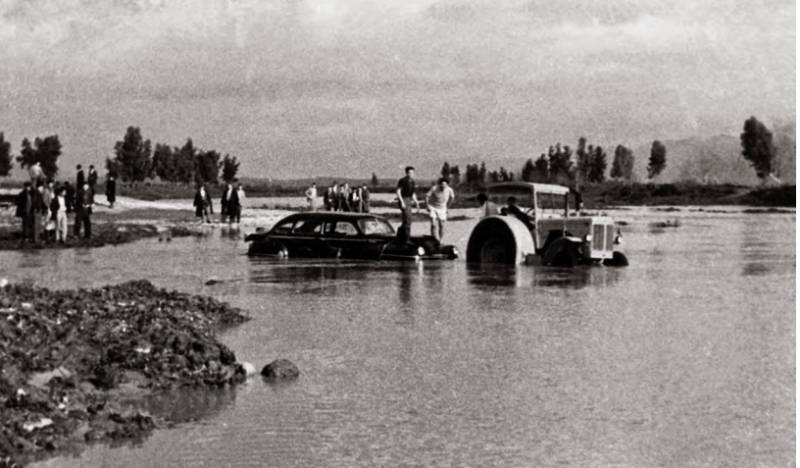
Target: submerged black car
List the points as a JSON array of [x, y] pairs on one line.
[[343, 235]]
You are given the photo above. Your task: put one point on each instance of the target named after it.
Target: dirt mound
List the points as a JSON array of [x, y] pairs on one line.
[[68, 358]]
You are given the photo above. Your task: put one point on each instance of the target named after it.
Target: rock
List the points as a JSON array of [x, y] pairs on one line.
[[43, 422], [280, 369], [41, 379], [249, 369]]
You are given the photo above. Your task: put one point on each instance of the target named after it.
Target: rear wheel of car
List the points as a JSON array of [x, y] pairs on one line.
[[561, 253], [280, 250]]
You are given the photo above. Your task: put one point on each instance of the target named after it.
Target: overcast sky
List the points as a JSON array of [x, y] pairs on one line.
[[346, 87]]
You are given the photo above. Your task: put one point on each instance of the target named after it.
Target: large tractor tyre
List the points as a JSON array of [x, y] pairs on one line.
[[499, 240], [561, 253], [618, 260]]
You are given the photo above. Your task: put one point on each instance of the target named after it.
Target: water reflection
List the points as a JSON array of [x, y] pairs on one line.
[[190, 404], [490, 277]]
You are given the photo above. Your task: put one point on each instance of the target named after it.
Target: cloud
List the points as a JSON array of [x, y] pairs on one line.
[[417, 76]]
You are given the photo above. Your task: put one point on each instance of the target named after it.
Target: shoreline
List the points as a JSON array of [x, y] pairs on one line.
[[76, 365]]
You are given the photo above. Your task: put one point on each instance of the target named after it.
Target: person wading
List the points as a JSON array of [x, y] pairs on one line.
[[438, 199], [406, 194]]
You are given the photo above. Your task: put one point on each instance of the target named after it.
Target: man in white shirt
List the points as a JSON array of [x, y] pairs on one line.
[[438, 199], [242, 201], [311, 197], [61, 215]]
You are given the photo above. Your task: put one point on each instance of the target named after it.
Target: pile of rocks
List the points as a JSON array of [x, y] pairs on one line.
[[65, 355]]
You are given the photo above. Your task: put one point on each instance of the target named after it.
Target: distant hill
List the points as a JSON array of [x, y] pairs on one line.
[[719, 159], [713, 159]]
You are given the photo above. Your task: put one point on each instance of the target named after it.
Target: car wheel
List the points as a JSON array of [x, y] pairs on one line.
[[281, 251], [562, 253], [618, 260]]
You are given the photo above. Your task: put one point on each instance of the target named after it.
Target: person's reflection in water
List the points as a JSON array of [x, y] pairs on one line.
[[407, 291]]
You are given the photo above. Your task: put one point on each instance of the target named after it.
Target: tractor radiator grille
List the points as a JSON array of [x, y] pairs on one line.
[[597, 237], [610, 237]]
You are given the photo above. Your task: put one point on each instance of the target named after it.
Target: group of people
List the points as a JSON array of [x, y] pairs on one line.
[[340, 198], [44, 206], [231, 203], [438, 200]]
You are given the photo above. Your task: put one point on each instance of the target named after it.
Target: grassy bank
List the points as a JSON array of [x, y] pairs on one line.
[[72, 362], [109, 233]]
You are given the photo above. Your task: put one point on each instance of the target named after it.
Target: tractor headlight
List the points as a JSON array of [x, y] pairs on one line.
[[587, 238], [420, 251]]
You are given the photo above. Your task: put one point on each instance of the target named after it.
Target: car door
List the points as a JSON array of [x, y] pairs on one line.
[[343, 239], [306, 238]]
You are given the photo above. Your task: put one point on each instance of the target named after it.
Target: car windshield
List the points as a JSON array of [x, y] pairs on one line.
[[283, 227], [373, 226]]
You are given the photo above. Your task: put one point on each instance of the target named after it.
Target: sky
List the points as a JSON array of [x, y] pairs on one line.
[[299, 88]]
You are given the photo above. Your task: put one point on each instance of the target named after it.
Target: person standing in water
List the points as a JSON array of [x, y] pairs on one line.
[[438, 200], [406, 194]]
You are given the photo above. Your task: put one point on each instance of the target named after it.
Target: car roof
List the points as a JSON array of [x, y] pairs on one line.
[[539, 188], [331, 216]]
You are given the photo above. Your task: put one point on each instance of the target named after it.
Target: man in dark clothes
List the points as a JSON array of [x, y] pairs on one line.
[[70, 196], [202, 204], [111, 190], [406, 193], [513, 210], [364, 199], [25, 210], [92, 180], [230, 203], [329, 198], [80, 181], [83, 212]]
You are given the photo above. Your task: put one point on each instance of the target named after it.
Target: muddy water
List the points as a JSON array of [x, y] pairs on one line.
[[685, 358]]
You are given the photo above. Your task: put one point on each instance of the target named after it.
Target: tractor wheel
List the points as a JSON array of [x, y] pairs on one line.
[[618, 260], [495, 250], [561, 253], [492, 242]]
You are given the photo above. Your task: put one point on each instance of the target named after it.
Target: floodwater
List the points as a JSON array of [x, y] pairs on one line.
[[685, 358]]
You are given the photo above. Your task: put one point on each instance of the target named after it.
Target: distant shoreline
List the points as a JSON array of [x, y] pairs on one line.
[[595, 196]]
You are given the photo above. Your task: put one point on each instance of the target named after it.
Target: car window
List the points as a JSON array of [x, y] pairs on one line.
[[308, 226], [344, 228], [372, 226], [283, 227]]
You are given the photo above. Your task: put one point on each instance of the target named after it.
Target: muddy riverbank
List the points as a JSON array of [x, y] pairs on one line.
[[74, 363]]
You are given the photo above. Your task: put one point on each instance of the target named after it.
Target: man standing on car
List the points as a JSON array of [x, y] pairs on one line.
[[438, 199], [406, 188]]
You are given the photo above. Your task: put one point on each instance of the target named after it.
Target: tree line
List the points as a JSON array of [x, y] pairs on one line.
[[561, 165], [135, 160], [44, 151]]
